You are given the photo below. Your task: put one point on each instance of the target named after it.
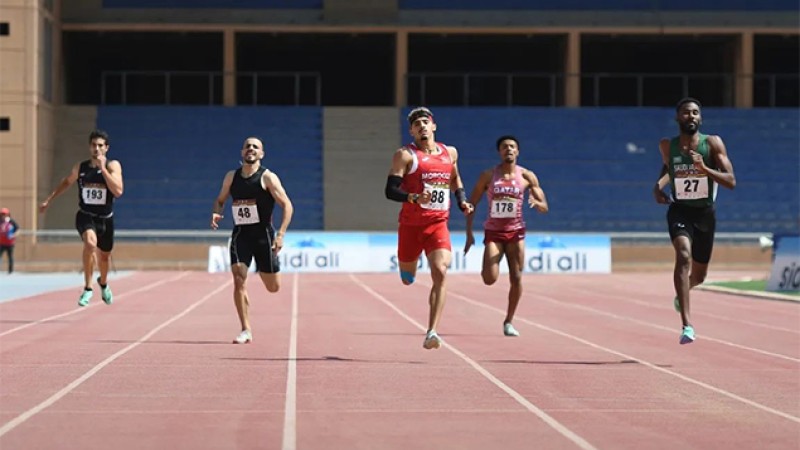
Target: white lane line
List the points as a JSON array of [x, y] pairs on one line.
[[558, 302], [668, 329], [81, 309], [639, 360], [290, 413], [694, 314], [546, 418], [13, 423]]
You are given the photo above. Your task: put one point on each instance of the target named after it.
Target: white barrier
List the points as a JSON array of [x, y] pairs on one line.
[[785, 274], [377, 252]]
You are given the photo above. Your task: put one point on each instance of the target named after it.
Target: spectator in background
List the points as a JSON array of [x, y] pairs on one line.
[[8, 236], [694, 165], [99, 183], [422, 175], [504, 230]]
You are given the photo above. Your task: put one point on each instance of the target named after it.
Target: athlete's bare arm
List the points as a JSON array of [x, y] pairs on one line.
[[724, 174], [456, 183], [475, 197], [272, 183], [112, 173], [480, 187], [536, 197], [401, 161], [65, 183], [663, 176], [219, 203]]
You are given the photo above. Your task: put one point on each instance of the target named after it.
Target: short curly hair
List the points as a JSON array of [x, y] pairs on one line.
[[686, 100]]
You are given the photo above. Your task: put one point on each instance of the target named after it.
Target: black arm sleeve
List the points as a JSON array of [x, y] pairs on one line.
[[461, 197], [393, 191]]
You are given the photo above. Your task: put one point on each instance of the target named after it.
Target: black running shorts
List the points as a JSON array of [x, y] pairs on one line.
[[698, 224]]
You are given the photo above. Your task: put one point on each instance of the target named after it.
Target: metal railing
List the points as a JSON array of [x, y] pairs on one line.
[[159, 87], [450, 89], [68, 235], [596, 89]]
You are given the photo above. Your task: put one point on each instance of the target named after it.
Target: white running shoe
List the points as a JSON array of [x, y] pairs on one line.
[[245, 337], [432, 341], [509, 330]]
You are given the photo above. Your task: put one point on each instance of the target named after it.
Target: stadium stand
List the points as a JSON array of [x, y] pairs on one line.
[[175, 159], [598, 166]]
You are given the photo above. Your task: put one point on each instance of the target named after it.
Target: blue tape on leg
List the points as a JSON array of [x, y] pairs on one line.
[[407, 277]]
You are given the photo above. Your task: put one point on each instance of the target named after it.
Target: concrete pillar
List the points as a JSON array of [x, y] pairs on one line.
[[743, 72], [229, 68], [572, 70], [401, 69]]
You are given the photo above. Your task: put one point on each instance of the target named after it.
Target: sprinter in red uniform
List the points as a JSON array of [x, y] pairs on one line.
[[504, 229], [422, 175]]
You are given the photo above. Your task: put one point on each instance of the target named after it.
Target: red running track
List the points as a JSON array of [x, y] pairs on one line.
[[337, 363]]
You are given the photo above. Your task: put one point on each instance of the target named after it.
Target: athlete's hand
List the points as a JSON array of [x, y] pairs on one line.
[[470, 242], [277, 244], [43, 206], [467, 207], [101, 161], [699, 164], [534, 204], [215, 218], [660, 196], [425, 197]]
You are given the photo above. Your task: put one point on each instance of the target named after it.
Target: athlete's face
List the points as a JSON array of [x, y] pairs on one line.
[[252, 151], [98, 147], [422, 129], [689, 118], [508, 151]]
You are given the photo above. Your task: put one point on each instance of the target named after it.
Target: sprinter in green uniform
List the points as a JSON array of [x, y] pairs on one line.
[[694, 165]]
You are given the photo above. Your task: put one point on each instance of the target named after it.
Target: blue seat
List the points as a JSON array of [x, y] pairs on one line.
[[175, 158]]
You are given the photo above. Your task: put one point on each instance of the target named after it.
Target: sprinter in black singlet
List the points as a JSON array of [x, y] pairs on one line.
[[694, 164], [99, 183], [254, 190]]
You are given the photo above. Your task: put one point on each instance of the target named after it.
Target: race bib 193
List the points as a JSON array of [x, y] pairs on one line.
[[245, 212], [94, 195]]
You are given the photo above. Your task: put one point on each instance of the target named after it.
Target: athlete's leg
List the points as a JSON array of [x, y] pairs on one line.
[[272, 281], [102, 265], [408, 271], [492, 255], [702, 247], [409, 248], [515, 256], [683, 264], [698, 274], [438, 260], [105, 243], [240, 298], [89, 237]]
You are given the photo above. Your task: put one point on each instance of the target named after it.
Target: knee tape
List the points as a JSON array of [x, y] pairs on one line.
[[408, 277]]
